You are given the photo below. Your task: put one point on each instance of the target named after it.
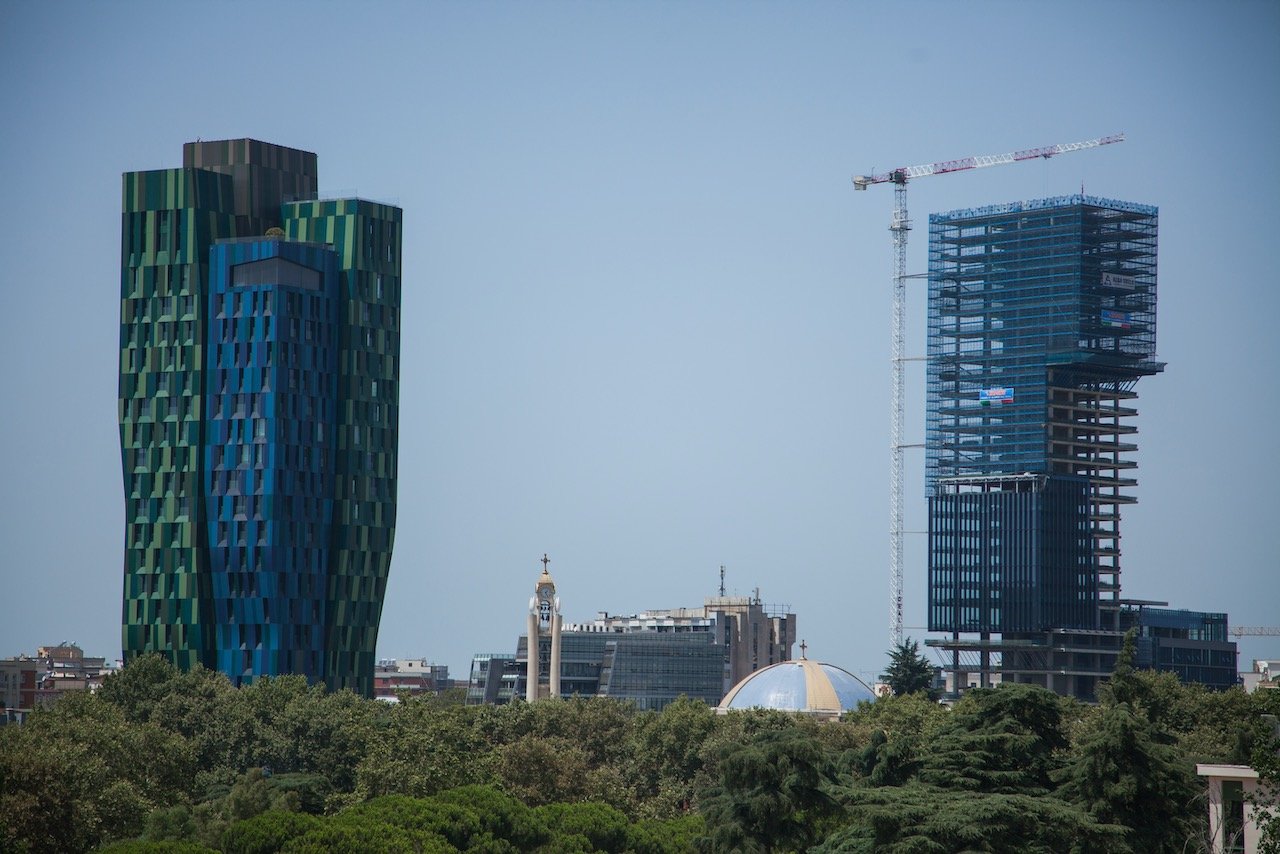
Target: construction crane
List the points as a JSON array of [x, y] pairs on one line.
[[1254, 631], [899, 225]]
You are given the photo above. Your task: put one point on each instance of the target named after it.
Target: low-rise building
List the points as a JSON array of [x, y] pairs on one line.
[[1235, 808], [19, 681], [1265, 674], [393, 677], [66, 669]]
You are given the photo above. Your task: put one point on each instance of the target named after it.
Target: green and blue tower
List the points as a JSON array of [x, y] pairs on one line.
[[258, 408]]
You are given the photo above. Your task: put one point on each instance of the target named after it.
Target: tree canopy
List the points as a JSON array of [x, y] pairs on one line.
[[164, 760]]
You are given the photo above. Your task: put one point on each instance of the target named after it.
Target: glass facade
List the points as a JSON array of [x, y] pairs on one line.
[[1011, 555], [1041, 320], [1024, 297], [270, 404], [650, 669], [366, 237], [170, 219], [492, 680], [258, 410], [1192, 644]]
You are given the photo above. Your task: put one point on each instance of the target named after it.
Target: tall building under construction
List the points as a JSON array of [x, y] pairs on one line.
[[1041, 322]]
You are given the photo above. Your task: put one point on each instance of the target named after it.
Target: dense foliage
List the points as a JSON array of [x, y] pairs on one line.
[[159, 760]]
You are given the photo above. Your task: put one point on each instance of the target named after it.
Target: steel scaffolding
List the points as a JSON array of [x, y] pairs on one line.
[[1042, 317]]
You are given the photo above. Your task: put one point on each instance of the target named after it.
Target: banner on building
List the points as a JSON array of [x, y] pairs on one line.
[[1115, 280], [997, 394], [1117, 319]]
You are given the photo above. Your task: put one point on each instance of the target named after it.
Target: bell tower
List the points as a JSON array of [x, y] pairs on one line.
[[543, 678]]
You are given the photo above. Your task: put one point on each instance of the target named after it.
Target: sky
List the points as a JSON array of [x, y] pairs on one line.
[[645, 315]]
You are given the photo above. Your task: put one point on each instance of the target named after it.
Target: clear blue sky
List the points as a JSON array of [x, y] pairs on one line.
[[645, 315]]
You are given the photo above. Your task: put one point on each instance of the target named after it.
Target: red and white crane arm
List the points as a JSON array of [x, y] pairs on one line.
[[901, 176]]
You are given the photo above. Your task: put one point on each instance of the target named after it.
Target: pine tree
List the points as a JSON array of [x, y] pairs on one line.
[[1122, 774], [908, 670]]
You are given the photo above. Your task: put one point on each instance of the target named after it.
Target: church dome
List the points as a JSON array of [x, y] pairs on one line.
[[805, 686]]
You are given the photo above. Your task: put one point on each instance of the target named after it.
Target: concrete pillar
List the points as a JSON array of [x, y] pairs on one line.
[[531, 681], [1217, 820], [1252, 833], [554, 677]]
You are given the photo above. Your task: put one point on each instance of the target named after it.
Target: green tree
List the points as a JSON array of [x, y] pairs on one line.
[[1266, 761], [604, 827], [921, 819], [884, 762], [1001, 740], [79, 774], [422, 750], [666, 836], [453, 823], [170, 824], [772, 795], [540, 770], [366, 838], [143, 846], [665, 763], [138, 686], [501, 815], [267, 832], [1122, 774], [909, 672]]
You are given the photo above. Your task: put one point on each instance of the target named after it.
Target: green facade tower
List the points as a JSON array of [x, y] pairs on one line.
[[171, 217], [366, 237], [233, 190]]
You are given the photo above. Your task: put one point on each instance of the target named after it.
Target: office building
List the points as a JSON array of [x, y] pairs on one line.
[[650, 658], [493, 678], [1041, 322], [1192, 644], [258, 407]]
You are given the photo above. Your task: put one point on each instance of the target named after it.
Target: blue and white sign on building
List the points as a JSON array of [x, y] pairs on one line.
[[1118, 319], [996, 394]]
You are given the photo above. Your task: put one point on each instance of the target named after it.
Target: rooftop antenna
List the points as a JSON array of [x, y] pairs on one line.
[[721, 581]]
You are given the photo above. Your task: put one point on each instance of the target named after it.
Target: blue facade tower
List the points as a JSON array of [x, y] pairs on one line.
[[271, 407]]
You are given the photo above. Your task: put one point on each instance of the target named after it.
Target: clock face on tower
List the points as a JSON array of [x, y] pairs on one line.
[[545, 591]]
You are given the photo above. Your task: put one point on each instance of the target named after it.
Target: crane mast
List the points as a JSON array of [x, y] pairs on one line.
[[899, 228]]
